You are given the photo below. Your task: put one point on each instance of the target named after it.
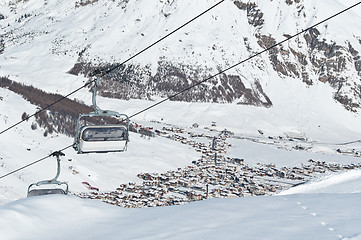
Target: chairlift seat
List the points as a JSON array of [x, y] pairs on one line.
[[103, 138], [45, 191]]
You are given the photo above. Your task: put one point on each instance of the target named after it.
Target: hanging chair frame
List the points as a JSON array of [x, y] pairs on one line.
[[100, 113], [46, 191]]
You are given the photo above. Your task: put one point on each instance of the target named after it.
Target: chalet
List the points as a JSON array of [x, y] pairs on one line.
[[146, 132], [296, 136], [227, 132], [237, 160]]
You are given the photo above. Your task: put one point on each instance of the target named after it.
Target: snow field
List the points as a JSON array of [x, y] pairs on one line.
[[320, 216]]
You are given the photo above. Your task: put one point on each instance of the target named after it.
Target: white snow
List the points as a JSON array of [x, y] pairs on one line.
[[324, 208], [318, 216], [345, 182]]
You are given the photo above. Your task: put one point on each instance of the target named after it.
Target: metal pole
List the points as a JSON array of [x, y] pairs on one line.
[[95, 106], [214, 149], [207, 191]]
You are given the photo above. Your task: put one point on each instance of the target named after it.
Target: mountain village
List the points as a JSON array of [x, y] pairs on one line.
[[211, 176]]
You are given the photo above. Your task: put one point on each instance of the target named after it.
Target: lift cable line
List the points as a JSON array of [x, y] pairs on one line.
[[104, 71], [32, 163], [221, 72], [45, 108]]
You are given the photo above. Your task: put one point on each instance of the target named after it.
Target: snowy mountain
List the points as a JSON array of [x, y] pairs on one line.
[[287, 117], [51, 39]]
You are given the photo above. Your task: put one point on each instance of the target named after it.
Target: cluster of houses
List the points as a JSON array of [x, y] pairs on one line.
[[211, 176], [143, 131]]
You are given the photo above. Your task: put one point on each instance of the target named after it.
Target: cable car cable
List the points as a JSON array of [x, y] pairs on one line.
[[32, 163], [186, 89], [104, 71], [45, 108]]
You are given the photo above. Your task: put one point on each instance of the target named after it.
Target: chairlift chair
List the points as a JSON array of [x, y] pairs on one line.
[[34, 190], [104, 137]]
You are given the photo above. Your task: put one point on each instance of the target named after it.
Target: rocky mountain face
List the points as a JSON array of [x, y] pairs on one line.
[[137, 82], [322, 60], [226, 35]]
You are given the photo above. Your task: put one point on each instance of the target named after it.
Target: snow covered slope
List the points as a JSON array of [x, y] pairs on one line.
[[311, 216], [43, 41], [346, 182]]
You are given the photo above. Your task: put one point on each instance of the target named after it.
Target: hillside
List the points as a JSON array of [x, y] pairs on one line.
[[42, 46]]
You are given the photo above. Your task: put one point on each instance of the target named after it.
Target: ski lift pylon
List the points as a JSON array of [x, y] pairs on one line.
[[104, 137], [46, 191]]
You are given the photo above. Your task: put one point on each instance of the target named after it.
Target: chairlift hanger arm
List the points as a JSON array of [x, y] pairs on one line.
[[95, 106], [55, 179], [97, 109]]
